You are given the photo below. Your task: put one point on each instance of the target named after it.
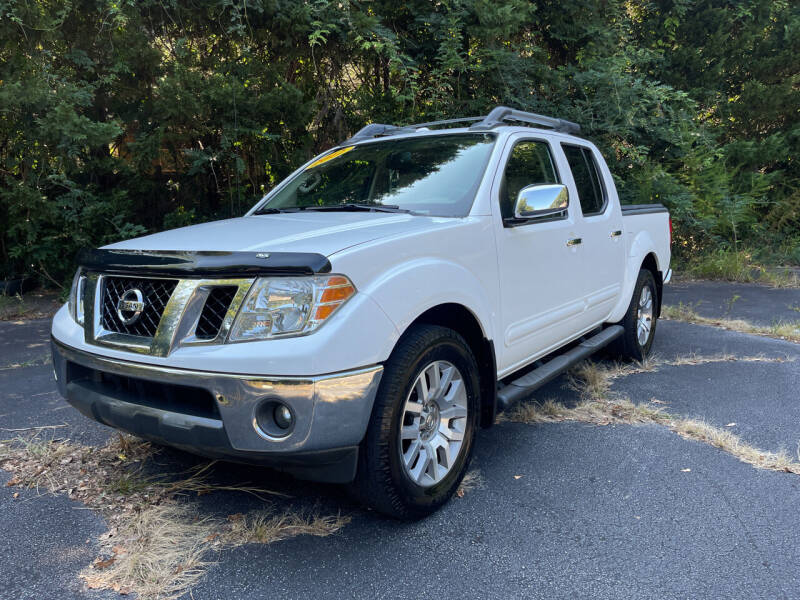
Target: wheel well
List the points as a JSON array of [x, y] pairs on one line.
[[651, 265], [460, 319]]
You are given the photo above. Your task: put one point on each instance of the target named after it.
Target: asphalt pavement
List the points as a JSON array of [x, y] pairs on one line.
[[566, 510], [757, 304]]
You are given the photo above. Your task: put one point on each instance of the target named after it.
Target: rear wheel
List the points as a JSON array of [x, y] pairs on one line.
[[421, 431], [639, 322]]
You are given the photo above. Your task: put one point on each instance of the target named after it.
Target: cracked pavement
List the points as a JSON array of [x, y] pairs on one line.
[[565, 509]]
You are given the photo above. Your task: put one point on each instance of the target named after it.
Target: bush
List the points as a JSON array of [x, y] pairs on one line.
[[120, 117]]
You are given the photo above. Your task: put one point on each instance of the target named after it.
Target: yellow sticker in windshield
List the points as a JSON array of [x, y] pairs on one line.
[[328, 157]]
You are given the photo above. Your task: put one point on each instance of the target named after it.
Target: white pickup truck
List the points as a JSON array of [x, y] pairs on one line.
[[362, 321]]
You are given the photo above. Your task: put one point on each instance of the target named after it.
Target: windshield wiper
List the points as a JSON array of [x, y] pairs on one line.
[[355, 206], [267, 210]]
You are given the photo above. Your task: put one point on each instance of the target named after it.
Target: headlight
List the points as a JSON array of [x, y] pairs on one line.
[[76, 296], [287, 306]]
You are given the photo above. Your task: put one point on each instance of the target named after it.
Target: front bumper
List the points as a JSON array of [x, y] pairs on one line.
[[215, 414]]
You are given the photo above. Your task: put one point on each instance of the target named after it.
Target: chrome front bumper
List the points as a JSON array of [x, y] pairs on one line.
[[331, 412]]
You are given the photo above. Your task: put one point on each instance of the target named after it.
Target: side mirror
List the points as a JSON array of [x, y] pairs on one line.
[[547, 200]]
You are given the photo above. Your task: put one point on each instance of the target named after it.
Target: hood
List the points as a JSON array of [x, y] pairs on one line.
[[320, 232]]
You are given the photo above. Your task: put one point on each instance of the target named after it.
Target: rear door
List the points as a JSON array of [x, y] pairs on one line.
[[601, 267], [539, 293]]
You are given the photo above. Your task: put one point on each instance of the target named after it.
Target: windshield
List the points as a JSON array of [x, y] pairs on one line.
[[430, 175]]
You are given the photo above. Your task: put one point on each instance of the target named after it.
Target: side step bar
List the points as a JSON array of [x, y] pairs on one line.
[[519, 388]]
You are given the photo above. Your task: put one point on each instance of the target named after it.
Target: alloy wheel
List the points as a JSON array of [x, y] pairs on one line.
[[433, 424], [644, 321]]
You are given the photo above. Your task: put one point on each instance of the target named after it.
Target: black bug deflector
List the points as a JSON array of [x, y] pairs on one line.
[[203, 264]]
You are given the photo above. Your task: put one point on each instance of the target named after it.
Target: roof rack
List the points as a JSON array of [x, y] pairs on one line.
[[501, 114], [497, 117]]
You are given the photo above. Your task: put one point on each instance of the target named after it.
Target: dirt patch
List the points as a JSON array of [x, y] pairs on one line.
[[159, 542]]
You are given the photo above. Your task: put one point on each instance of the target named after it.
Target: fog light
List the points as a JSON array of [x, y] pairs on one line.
[[283, 416], [273, 419]]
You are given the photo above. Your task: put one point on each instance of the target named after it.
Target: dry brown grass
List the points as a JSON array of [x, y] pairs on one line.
[[266, 526], [157, 540], [653, 363], [158, 552], [600, 406], [783, 330], [729, 442]]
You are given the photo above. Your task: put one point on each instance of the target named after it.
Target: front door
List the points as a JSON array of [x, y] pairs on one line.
[[540, 296]]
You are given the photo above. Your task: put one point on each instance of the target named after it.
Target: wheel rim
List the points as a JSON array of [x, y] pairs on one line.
[[433, 424], [644, 321]]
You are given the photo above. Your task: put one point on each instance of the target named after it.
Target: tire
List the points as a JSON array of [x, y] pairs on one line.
[[388, 479], [629, 346]]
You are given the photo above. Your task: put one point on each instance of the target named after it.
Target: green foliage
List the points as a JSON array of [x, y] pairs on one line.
[[124, 116]]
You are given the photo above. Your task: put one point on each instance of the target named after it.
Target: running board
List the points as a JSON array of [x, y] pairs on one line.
[[519, 388]]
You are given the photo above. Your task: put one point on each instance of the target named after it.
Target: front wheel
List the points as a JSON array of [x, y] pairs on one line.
[[422, 428], [639, 322]]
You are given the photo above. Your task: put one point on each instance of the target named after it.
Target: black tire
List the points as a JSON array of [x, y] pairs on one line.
[[381, 481], [627, 346]]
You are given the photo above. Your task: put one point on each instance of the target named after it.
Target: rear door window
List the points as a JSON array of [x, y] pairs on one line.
[[591, 192]]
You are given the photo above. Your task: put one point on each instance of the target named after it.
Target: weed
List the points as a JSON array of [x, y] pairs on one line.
[[738, 266], [31, 306], [730, 302]]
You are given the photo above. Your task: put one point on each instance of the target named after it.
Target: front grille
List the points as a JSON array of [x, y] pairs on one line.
[[155, 294], [217, 304], [171, 397]]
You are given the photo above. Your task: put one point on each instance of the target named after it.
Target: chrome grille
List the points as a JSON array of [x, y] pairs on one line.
[[214, 311], [155, 294]]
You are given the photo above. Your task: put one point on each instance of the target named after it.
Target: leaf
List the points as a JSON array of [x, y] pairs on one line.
[[99, 563]]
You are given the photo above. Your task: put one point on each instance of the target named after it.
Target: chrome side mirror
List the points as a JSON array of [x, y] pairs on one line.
[[547, 200]]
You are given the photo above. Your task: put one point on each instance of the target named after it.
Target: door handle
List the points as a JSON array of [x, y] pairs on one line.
[[574, 241], [616, 233]]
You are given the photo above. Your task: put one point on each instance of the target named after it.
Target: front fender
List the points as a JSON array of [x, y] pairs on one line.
[[410, 288]]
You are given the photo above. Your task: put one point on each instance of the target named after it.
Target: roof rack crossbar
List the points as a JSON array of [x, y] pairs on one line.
[[446, 122], [503, 113], [374, 130], [498, 116]]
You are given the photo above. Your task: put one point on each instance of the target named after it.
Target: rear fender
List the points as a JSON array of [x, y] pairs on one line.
[[641, 246]]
